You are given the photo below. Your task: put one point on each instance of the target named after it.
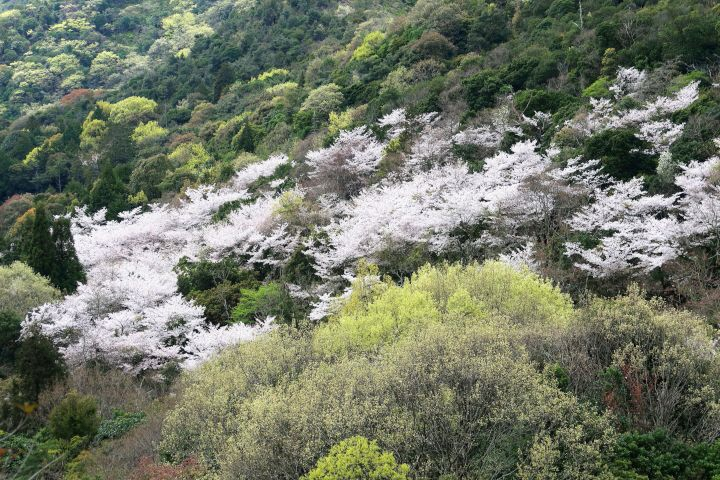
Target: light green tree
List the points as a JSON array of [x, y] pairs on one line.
[[148, 134], [358, 458], [104, 65], [24, 289], [132, 109], [323, 100]]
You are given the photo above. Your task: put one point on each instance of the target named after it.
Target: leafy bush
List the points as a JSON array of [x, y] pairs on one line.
[[482, 88], [75, 416], [29, 291], [357, 458], [649, 364], [440, 359], [659, 456], [118, 425], [270, 300], [621, 153]]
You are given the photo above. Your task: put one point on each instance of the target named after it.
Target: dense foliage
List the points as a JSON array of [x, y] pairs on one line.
[[434, 238]]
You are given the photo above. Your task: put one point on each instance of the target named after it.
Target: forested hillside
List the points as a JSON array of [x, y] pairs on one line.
[[359, 239]]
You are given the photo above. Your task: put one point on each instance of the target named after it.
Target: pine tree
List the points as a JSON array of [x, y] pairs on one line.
[[37, 248], [108, 192], [245, 140], [68, 270]]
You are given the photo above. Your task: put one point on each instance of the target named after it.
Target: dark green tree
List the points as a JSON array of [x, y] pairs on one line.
[[36, 247], [481, 89], [68, 271], [223, 78], [244, 141], [38, 364], [621, 152], [10, 327], [108, 192]]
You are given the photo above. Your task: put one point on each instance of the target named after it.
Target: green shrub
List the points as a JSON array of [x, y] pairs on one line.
[[649, 364], [444, 293], [120, 423], [600, 88], [357, 458], [482, 88], [75, 416], [270, 300], [659, 456], [621, 153], [548, 101]]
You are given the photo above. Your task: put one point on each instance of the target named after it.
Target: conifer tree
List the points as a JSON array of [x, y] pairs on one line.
[[108, 192], [223, 78], [68, 270], [244, 141], [37, 248]]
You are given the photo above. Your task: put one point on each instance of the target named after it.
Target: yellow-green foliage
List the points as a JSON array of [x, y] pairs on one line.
[[455, 399], [191, 156], [357, 458], [46, 147], [288, 207], [132, 109], [451, 371], [270, 74], [282, 89], [369, 45], [93, 132], [214, 393], [9, 16], [340, 121], [23, 289], [395, 313], [377, 312], [519, 295], [148, 133]]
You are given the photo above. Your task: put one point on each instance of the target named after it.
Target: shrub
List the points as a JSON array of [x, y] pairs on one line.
[[621, 153], [29, 290], [118, 425], [653, 366], [76, 416], [482, 88], [201, 422], [531, 101], [443, 293], [270, 300], [457, 400], [659, 456], [357, 458]]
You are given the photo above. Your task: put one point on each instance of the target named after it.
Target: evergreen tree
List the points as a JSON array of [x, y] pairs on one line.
[[10, 329], [38, 363], [245, 140], [108, 192], [36, 247], [68, 270]]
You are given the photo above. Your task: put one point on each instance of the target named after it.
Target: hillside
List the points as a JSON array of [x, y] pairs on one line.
[[434, 239]]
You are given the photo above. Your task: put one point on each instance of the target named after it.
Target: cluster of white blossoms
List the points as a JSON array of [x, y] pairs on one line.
[[129, 311]]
